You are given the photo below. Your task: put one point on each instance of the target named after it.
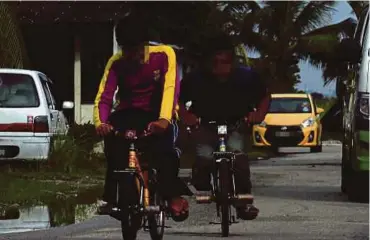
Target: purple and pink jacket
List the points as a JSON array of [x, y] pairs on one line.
[[152, 86]]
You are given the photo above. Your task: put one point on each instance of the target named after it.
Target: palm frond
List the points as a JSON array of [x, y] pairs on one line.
[[315, 14], [346, 27]]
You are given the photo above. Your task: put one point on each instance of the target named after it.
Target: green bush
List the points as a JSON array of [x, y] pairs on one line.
[[84, 135], [74, 152]]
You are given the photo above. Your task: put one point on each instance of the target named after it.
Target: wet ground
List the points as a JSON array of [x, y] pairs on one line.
[[55, 211]]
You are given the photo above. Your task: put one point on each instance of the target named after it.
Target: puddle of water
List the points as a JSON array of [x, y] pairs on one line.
[[53, 212]]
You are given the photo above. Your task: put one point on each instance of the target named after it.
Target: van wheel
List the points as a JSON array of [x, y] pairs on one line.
[[358, 187], [316, 149], [344, 169]]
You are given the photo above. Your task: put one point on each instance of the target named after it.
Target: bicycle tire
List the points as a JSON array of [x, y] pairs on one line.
[[224, 185], [130, 220], [156, 221]]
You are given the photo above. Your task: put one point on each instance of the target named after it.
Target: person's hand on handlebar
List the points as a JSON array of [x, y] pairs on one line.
[[158, 126], [104, 129]]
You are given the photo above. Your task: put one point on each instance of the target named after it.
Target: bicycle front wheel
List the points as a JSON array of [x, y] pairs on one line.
[[156, 220], [130, 218], [224, 186]]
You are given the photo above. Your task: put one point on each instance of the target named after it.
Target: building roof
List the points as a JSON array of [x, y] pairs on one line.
[[71, 11]]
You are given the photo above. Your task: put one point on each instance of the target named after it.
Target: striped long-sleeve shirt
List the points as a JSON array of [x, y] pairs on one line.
[[152, 86]]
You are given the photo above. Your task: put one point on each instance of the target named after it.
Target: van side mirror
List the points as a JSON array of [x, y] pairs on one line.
[[349, 51], [68, 105]]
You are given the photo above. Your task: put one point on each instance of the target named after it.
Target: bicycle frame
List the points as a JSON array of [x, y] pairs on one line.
[[136, 213], [141, 176], [220, 156]]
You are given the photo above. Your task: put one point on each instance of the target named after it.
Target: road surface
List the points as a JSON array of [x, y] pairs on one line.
[[298, 196]]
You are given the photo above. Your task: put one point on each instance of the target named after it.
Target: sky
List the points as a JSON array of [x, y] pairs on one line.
[[311, 77]]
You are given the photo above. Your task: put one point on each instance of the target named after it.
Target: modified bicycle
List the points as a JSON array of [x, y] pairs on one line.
[[139, 205], [223, 191]]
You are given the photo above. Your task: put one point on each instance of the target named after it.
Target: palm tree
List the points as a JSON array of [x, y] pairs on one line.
[[338, 71], [285, 32]]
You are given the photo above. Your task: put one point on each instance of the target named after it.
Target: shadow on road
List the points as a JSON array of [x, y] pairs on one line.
[[313, 193], [252, 235], [200, 234]]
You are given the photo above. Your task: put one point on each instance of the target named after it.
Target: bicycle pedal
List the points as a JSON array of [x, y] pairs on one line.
[[153, 209], [204, 199], [247, 197]]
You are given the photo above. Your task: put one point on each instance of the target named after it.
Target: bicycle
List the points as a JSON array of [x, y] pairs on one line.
[[139, 205], [223, 191]]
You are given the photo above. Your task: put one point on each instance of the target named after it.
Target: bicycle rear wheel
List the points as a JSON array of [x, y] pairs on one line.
[[156, 221], [130, 218], [224, 185]]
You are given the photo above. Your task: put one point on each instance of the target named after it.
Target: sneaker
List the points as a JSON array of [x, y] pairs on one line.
[[179, 208], [249, 212], [104, 208]]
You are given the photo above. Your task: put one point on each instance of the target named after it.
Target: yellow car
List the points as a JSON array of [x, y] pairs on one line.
[[292, 121]]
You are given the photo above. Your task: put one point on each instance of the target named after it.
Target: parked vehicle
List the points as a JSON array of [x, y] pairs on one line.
[[292, 121], [355, 151], [29, 115]]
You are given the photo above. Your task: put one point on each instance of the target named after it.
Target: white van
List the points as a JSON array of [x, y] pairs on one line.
[[355, 158], [29, 116]]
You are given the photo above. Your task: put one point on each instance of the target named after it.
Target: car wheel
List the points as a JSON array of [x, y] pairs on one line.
[[316, 149]]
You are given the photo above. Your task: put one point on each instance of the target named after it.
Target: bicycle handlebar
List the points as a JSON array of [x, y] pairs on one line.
[[131, 134], [209, 122]]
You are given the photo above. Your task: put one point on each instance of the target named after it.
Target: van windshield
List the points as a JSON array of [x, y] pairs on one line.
[[290, 105], [17, 91]]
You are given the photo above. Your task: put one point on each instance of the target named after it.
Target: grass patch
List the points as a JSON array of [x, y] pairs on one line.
[[29, 193], [72, 167]]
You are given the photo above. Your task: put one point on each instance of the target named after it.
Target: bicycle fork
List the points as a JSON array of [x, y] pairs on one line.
[[142, 179], [142, 182]]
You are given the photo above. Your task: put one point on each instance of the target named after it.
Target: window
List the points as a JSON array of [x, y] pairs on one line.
[[290, 105], [360, 27], [18, 91], [50, 87], [365, 31], [46, 92]]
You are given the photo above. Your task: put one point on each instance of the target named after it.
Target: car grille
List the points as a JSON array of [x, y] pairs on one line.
[[295, 135]]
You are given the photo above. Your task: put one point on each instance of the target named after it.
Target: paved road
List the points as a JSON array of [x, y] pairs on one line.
[[298, 195]]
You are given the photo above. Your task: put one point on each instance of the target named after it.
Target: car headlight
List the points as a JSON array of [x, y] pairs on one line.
[[308, 122], [263, 124], [364, 105]]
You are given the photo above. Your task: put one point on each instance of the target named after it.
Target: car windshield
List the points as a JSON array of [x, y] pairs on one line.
[[290, 105], [17, 91]]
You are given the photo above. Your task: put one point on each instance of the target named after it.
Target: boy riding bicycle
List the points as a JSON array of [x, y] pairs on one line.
[[222, 92], [147, 81]]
